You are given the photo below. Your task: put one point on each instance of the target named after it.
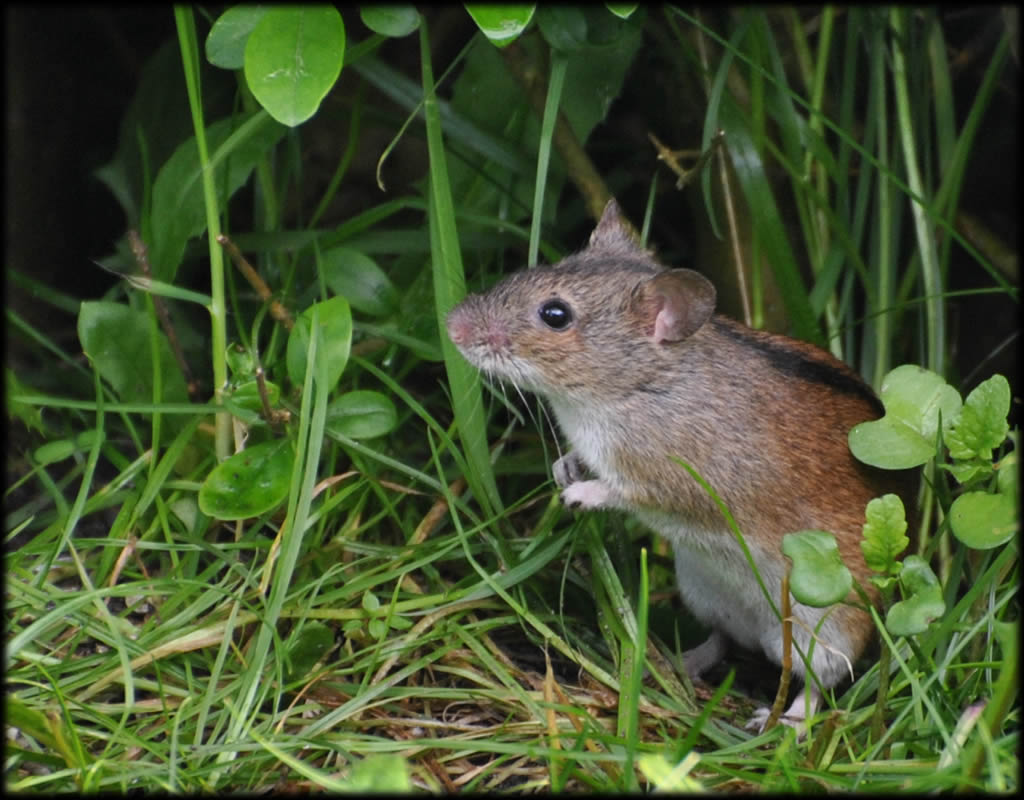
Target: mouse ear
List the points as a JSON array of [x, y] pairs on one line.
[[613, 232], [684, 301]]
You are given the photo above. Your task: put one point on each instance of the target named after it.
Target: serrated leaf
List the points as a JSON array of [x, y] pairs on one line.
[[981, 425], [502, 25], [967, 471], [884, 533], [357, 278], [225, 44], [361, 414], [982, 521], [914, 399], [248, 483], [117, 340], [818, 577], [292, 59], [394, 21], [335, 322], [922, 601]]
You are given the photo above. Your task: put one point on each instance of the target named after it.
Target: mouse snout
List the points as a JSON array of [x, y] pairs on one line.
[[468, 328], [460, 325]]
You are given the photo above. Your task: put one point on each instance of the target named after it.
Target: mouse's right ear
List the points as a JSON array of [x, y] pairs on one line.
[[613, 231], [684, 300]]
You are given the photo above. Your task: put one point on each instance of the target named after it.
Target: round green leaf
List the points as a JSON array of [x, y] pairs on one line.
[[922, 599], [249, 483], [335, 339], [914, 399], [307, 647], [501, 24], [361, 415], [818, 578], [982, 520], [225, 44], [357, 278], [396, 20], [292, 59]]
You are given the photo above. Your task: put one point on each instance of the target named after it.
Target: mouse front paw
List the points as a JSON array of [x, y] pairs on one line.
[[569, 469], [587, 494]]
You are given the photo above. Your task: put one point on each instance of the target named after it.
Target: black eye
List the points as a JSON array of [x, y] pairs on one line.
[[556, 314]]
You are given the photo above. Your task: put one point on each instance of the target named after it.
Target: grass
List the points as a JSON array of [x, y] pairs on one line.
[[420, 611]]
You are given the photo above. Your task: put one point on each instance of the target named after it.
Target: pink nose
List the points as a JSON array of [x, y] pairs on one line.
[[460, 327]]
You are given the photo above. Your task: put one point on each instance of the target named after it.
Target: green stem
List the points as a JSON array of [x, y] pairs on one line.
[[188, 41]]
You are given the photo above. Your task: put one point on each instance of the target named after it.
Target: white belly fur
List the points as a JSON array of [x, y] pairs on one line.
[[718, 586]]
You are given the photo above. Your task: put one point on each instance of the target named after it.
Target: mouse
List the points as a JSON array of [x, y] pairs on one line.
[[640, 372]]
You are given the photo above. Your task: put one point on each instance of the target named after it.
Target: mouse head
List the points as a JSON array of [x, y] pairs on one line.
[[604, 318]]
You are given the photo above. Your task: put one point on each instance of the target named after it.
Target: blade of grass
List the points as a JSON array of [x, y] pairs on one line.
[[449, 288], [559, 63]]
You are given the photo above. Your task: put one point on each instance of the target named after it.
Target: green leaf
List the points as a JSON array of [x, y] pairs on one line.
[[311, 644], [502, 25], [335, 339], [357, 278], [179, 210], [564, 27], [249, 483], [370, 602], [622, 10], [244, 400], [981, 425], [982, 521], [396, 20], [54, 452], [818, 578], [225, 44], [914, 398], [293, 58], [922, 601], [117, 340], [884, 534], [968, 471], [361, 415], [31, 416], [1006, 475], [379, 773]]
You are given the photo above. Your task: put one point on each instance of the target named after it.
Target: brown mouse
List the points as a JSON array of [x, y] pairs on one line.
[[639, 371]]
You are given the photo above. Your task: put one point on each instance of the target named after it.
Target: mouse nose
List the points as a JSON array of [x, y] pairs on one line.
[[460, 327]]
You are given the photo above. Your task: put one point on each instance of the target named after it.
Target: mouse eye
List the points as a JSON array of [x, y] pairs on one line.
[[556, 314]]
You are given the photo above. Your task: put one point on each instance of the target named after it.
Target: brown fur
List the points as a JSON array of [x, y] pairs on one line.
[[644, 374]]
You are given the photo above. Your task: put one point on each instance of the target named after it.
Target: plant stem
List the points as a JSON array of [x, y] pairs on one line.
[[187, 39]]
